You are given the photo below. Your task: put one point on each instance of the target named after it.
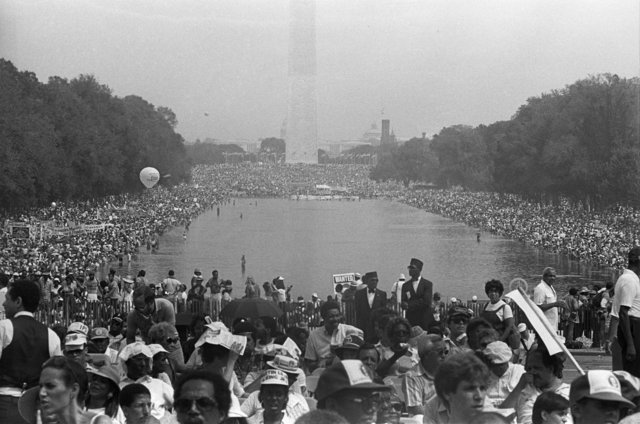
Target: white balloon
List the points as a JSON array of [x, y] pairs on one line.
[[149, 176], [53, 204]]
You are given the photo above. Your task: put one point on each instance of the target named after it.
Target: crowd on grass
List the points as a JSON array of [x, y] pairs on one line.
[[132, 221]]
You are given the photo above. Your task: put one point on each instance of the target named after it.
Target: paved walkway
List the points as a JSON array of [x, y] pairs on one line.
[[589, 359]]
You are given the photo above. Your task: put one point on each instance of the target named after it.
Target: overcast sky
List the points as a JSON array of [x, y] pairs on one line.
[[427, 64]]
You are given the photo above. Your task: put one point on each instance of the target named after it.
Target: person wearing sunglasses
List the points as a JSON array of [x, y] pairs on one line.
[[358, 402], [202, 397], [166, 335], [457, 319], [399, 357], [418, 383]]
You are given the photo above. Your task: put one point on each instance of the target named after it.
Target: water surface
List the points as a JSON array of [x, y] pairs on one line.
[[308, 241]]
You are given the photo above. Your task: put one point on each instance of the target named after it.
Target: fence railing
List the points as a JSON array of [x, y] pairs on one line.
[[68, 309]]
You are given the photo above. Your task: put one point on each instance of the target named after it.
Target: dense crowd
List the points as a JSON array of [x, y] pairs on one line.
[[412, 363], [409, 356], [599, 238]]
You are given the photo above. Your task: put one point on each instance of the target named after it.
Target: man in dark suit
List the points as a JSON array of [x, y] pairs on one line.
[[416, 296], [366, 301]]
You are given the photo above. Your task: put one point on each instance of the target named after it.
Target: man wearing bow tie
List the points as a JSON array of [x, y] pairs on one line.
[[416, 296], [366, 301]]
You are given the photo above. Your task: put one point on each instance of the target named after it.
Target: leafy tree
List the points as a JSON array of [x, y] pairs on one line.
[[273, 145]]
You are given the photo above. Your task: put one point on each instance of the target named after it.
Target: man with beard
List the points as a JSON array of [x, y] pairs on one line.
[[417, 296], [147, 311], [25, 344]]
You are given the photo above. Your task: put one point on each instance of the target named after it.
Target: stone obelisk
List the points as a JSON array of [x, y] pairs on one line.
[[302, 121]]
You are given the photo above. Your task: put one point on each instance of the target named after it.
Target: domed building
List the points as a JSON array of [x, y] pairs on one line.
[[372, 136]]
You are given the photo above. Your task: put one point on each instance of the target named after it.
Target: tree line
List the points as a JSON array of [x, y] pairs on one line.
[[580, 142], [73, 139]]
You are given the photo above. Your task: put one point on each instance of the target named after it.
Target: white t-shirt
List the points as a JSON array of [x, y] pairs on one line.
[[502, 313], [499, 388], [544, 294], [627, 293], [524, 407]]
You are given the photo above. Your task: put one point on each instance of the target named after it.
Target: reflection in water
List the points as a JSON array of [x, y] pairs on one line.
[[308, 241]]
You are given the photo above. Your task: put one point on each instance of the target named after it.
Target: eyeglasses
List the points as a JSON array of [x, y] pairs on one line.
[[368, 403], [183, 405], [459, 320], [173, 340]]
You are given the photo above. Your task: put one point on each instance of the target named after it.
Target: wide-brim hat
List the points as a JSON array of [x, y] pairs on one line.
[[28, 405], [498, 352], [347, 374], [108, 371], [156, 348], [135, 349], [286, 364]]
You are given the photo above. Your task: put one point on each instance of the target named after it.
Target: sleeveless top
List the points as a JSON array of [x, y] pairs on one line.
[[493, 318]]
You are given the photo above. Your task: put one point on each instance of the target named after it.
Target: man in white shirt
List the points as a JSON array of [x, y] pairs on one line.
[[396, 290], [137, 359], [170, 286], [4, 281], [626, 306], [544, 295], [319, 351]]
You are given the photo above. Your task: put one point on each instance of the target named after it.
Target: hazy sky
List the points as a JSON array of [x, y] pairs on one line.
[[426, 63]]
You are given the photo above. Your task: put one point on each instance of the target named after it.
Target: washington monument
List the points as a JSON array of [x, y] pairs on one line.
[[302, 131]]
